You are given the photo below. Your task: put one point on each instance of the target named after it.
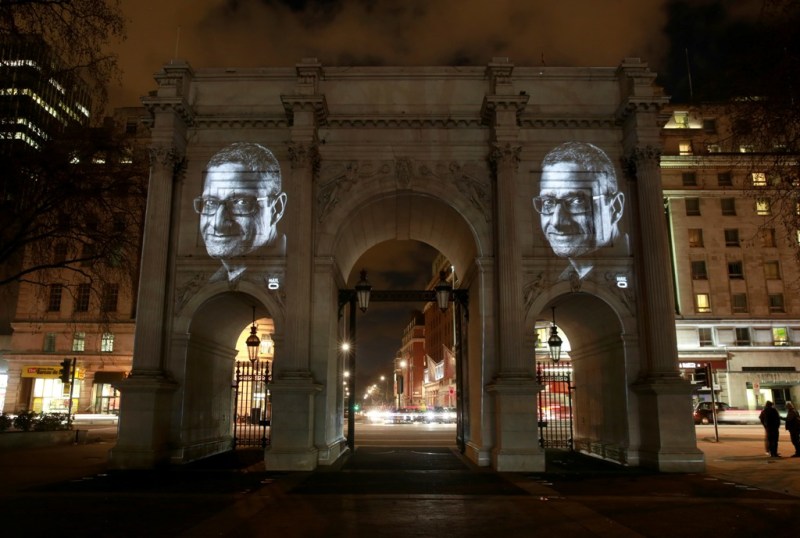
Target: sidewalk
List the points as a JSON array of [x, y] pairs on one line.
[[416, 492]]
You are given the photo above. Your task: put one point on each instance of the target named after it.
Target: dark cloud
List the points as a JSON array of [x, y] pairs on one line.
[[257, 33]]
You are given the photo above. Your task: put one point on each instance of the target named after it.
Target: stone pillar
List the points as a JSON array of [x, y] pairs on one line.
[[292, 446], [667, 441], [146, 395], [514, 388]]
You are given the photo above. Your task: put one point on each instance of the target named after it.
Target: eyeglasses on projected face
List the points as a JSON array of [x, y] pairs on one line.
[[240, 206], [576, 204]]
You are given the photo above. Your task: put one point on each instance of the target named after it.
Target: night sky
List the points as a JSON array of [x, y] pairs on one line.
[[256, 33]]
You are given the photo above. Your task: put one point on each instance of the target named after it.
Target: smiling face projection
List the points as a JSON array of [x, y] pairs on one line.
[[241, 205], [578, 203]]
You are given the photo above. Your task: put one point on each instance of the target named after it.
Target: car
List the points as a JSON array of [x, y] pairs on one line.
[[703, 412]]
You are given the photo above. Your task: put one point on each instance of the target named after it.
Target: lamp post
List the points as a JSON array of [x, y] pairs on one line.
[[253, 341], [443, 290], [554, 342]]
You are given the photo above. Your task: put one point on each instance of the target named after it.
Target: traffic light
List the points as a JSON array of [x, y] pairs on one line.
[[66, 371], [399, 383], [701, 376]]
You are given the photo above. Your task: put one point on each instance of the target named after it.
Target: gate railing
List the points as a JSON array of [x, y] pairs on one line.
[[252, 409], [555, 405]]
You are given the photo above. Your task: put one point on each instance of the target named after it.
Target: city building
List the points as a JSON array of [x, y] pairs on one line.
[[733, 264], [410, 364], [440, 387], [73, 318]]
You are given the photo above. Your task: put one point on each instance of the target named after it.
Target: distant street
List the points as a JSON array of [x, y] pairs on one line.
[[405, 435]]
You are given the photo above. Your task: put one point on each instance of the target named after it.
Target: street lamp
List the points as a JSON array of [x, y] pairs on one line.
[[362, 291], [554, 342], [253, 341], [443, 289]]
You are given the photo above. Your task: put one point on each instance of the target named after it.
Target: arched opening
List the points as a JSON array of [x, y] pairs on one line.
[[600, 372], [212, 403]]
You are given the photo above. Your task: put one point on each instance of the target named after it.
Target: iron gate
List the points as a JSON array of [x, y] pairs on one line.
[[252, 410], [555, 405]]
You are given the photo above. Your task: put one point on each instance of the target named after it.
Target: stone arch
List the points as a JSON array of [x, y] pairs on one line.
[[203, 349], [605, 360], [406, 216]]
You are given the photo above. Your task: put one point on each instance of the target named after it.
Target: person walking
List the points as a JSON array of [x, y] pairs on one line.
[[771, 420], [793, 425]]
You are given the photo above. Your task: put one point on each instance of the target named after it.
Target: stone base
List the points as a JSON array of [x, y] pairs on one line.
[[518, 461], [478, 455], [275, 460]]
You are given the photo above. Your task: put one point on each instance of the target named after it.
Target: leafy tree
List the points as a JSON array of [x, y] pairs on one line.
[[80, 30]]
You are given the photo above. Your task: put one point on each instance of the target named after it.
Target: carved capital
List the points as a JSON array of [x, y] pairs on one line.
[[304, 155], [640, 159], [505, 154]]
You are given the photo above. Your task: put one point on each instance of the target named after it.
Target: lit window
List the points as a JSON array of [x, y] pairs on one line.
[[684, 148], [699, 270], [713, 148], [79, 342], [107, 343], [692, 207], [739, 303], [702, 302], [732, 237], [763, 207], [681, 119], [780, 336], [742, 336], [728, 206], [695, 237], [772, 270], [776, 302], [745, 148], [759, 179], [705, 336]]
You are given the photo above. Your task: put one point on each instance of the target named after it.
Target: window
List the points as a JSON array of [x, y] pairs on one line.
[[110, 297], [739, 303], [713, 148], [780, 336], [684, 147], [772, 270], [130, 127], [735, 270], [759, 179], [681, 119], [88, 254], [776, 303], [709, 125], [725, 179], [728, 206], [82, 298], [702, 302], [742, 336], [689, 179], [107, 343], [699, 271], [50, 342], [695, 237], [763, 207], [54, 299], [731, 237], [745, 148], [704, 336], [767, 237], [78, 341], [692, 207]]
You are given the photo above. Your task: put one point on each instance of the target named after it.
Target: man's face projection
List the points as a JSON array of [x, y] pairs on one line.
[[237, 216], [575, 212]]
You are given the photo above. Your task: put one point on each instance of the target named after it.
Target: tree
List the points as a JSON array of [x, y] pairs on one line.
[[72, 213], [80, 30]]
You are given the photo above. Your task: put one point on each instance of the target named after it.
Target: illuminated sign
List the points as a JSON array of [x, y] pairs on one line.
[[622, 281], [273, 283], [48, 372]]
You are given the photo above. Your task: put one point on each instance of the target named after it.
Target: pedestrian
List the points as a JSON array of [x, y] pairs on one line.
[[793, 425], [771, 420]]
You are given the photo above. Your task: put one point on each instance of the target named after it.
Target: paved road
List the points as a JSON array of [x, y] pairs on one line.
[[402, 491]]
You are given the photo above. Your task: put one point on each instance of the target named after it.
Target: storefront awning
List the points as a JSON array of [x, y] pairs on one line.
[[108, 377]]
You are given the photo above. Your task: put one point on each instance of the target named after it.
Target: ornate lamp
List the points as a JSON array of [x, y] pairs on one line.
[[253, 342], [443, 289], [362, 291], [554, 342]]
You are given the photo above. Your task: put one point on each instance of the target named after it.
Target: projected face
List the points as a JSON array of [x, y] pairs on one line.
[[578, 203], [241, 202]]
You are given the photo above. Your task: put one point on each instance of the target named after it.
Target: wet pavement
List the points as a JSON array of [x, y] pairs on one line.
[[386, 492]]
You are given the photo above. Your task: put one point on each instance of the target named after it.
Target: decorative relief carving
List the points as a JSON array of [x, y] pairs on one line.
[[329, 192], [505, 154], [188, 289], [304, 155], [532, 289], [404, 171], [467, 179]]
